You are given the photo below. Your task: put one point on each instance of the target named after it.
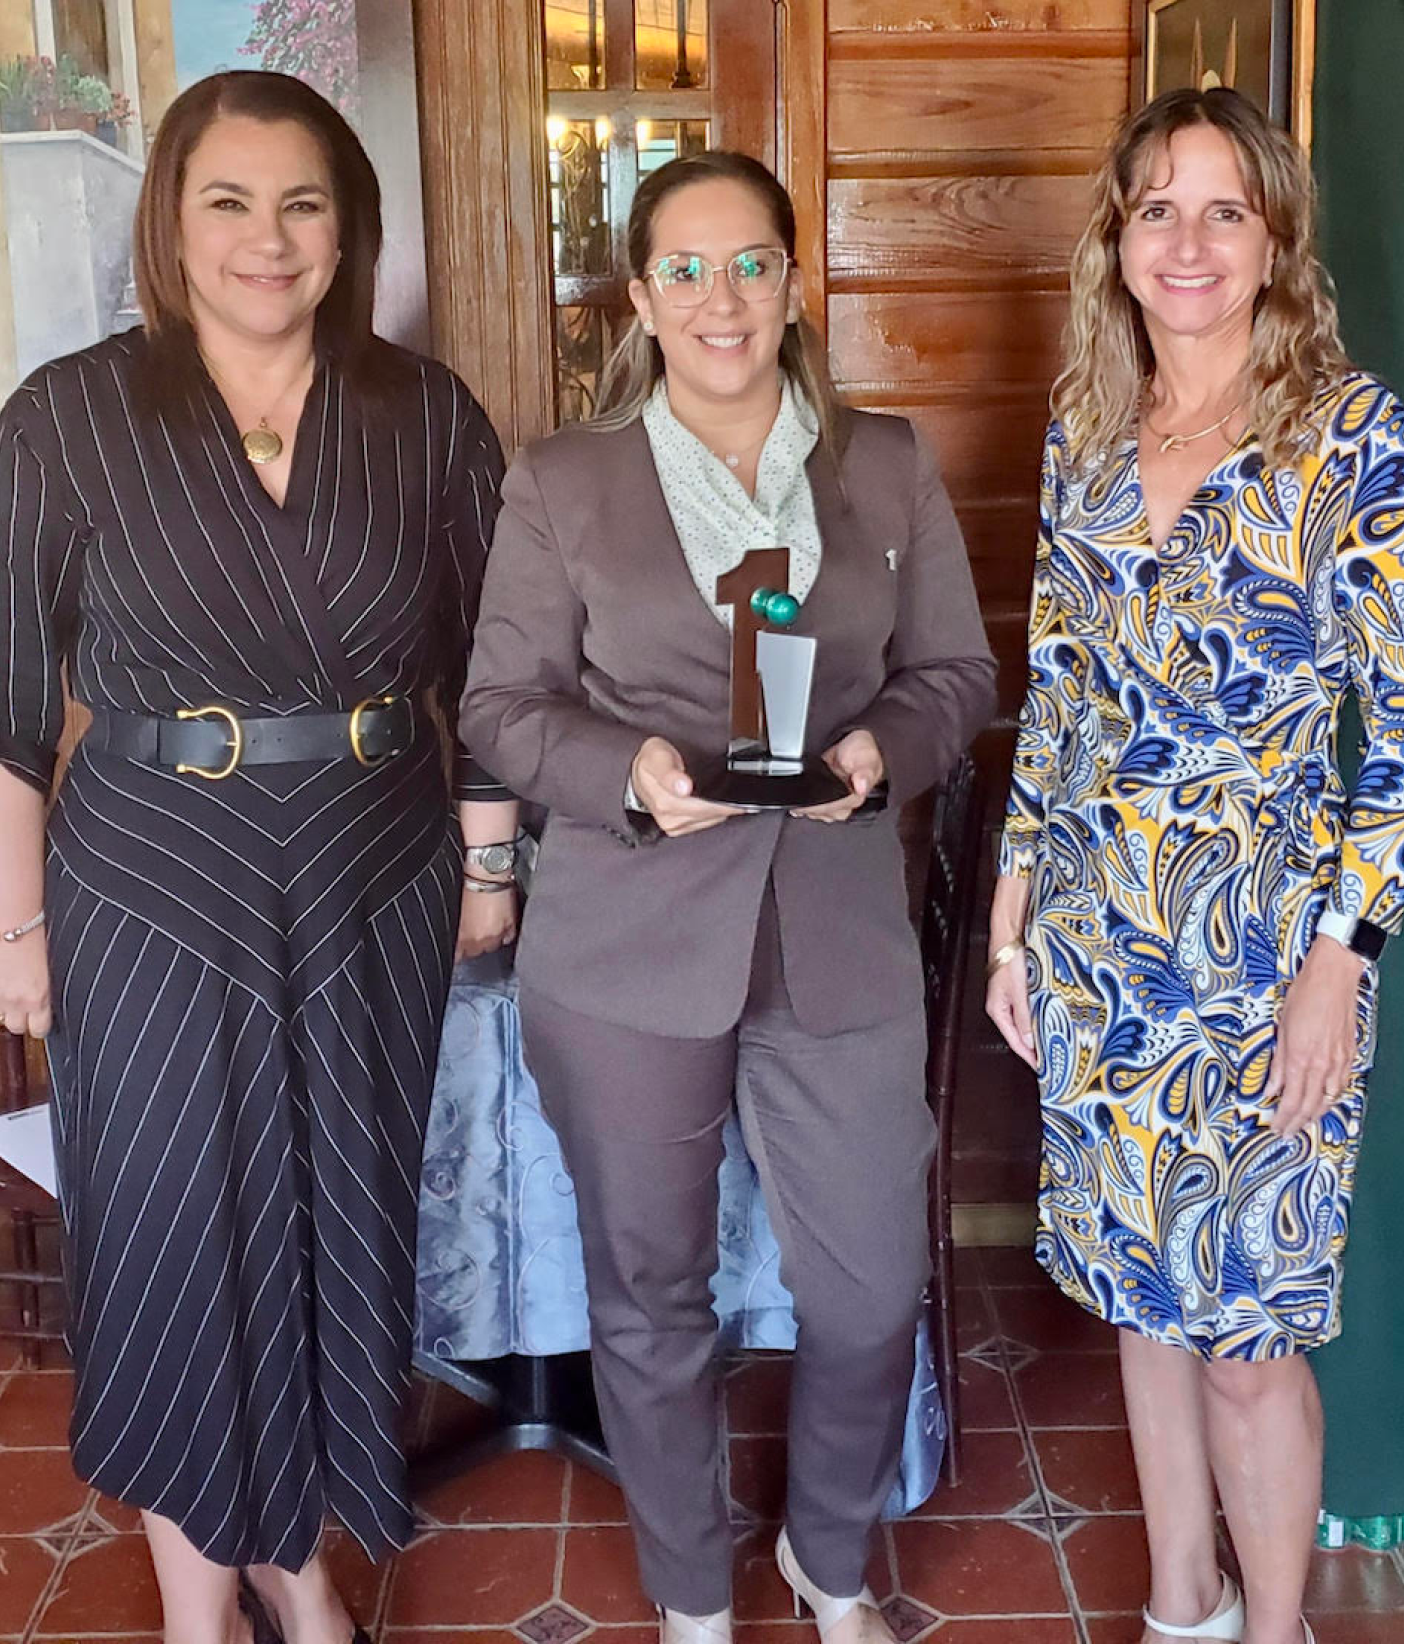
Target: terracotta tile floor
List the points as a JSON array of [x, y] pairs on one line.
[[1039, 1544]]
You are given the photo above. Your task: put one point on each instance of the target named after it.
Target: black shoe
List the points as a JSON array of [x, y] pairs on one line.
[[265, 1629]]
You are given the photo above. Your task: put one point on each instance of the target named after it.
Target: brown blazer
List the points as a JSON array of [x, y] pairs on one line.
[[592, 636]]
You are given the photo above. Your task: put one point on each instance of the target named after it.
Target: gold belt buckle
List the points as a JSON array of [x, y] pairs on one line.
[[354, 731], [236, 748]]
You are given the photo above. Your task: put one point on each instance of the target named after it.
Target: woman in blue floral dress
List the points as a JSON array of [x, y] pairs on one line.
[[1189, 901]]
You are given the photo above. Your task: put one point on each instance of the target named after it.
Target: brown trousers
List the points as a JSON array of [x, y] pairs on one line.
[[842, 1138]]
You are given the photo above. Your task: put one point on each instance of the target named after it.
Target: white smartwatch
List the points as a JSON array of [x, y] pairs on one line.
[[1365, 940]]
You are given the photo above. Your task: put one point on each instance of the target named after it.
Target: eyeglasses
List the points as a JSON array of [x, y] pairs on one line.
[[685, 280]]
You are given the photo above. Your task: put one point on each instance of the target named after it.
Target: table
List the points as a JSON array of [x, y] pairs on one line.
[[500, 1304]]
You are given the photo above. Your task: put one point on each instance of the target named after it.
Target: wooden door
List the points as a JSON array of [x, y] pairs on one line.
[[631, 84], [955, 148], [956, 145], [497, 110], [938, 152]]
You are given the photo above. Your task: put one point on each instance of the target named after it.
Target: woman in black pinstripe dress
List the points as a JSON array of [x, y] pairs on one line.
[[254, 534]]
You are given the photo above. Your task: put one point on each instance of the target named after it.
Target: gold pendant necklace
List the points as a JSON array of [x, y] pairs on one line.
[[262, 444], [1177, 442]]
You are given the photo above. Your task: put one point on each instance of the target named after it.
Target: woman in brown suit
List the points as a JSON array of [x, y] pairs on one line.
[[677, 950]]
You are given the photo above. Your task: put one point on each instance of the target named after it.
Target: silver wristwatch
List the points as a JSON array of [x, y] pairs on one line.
[[498, 858]]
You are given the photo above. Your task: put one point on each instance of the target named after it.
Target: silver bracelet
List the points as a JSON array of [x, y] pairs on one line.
[[486, 886], [24, 929]]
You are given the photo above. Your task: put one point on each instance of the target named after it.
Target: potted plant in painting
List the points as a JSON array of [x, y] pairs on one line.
[[14, 95], [117, 118], [27, 87], [69, 113], [93, 97]]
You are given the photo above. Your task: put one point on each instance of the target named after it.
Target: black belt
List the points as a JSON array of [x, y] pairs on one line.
[[214, 742]]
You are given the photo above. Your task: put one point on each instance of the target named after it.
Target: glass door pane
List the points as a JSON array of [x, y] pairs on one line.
[[670, 44], [580, 183], [630, 85], [575, 45], [585, 335], [662, 140]]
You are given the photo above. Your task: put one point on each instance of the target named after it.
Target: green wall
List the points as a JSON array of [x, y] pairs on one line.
[[1358, 152]]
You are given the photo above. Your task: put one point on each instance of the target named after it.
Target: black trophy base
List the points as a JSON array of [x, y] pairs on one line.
[[756, 782]]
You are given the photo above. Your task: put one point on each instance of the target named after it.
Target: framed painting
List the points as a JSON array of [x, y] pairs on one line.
[[1263, 48], [83, 86]]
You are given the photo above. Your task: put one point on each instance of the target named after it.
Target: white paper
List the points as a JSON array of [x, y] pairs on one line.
[[27, 1143]]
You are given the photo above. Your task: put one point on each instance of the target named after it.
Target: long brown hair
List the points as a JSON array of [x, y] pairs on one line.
[[344, 317], [1296, 346], [636, 364]]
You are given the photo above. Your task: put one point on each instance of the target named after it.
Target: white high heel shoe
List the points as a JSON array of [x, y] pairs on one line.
[[1225, 1624], [828, 1610], [676, 1628]]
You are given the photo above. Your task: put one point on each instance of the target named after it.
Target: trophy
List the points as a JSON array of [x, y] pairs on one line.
[[772, 675]]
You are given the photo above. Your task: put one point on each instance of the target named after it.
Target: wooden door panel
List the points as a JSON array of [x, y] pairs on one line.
[[989, 443], [954, 232], [481, 78], [926, 17], [743, 69], [1008, 636], [929, 105], [803, 154], [962, 135], [925, 340], [1000, 538]]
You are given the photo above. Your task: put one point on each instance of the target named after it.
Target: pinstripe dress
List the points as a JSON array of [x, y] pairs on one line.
[[248, 974]]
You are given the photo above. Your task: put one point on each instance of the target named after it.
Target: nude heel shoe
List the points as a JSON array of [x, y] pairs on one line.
[[676, 1628], [828, 1611], [1226, 1623]]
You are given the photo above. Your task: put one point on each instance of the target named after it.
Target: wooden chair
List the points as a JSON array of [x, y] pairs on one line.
[[33, 1222], [946, 919], [31, 1213]]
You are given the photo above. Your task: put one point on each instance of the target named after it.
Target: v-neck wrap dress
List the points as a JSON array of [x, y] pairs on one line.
[[248, 974], [1177, 807]]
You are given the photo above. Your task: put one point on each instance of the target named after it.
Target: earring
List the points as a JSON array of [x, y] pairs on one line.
[[648, 327]]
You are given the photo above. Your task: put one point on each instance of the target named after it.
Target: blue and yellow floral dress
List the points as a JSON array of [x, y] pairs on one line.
[[1176, 804]]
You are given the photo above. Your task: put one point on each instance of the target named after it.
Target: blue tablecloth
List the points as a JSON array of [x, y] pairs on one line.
[[500, 1268]]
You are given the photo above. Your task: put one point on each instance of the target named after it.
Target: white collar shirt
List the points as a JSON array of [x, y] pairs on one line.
[[716, 520]]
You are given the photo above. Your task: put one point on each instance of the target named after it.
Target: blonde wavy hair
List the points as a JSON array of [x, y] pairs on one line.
[[1296, 346]]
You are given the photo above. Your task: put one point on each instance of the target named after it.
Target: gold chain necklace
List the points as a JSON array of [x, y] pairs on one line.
[[262, 444], [1177, 442]]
